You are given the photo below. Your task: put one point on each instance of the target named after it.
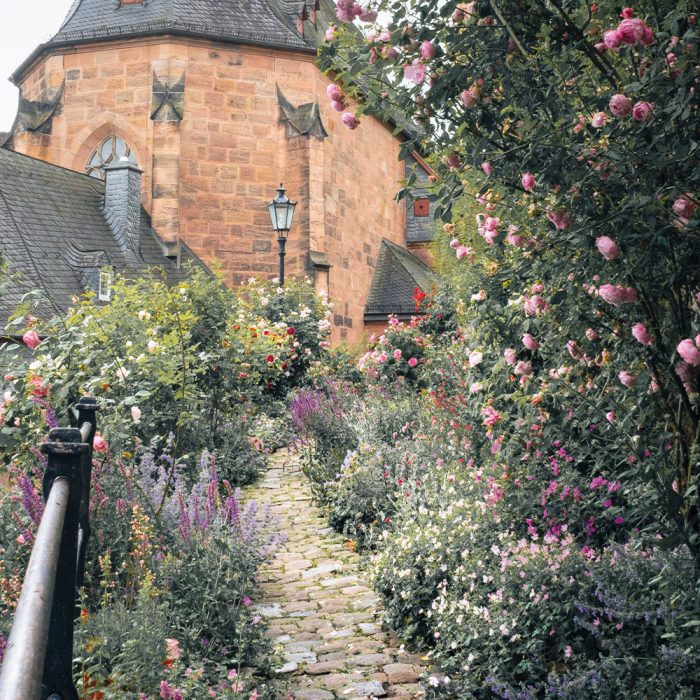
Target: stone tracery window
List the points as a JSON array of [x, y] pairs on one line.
[[111, 150]]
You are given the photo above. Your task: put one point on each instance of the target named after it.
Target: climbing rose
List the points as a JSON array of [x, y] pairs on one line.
[[510, 356], [524, 369], [487, 168], [99, 444], [350, 120], [347, 10], [620, 105], [427, 50], [454, 243], [469, 97], [534, 305], [475, 358], [331, 33], [616, 295], [31, 339], [529, 342], [642, 111], [684, 207], [135, 414], [527, 180], [412, 362], [560, 219], [338, 106], [689, 352], [415, 72], [631, 30], [627, 379], [574, 349], [641, 334], [598, 120], [461, 252], [612, 39], [607, 248], [627, 12], [591, 334], [397, 354], [335, 94]]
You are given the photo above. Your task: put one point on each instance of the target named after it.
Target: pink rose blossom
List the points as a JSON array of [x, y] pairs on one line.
[[99, 444], [641, 334], [631, 30], [334, 93], [560, 219], [535, 305], [487, 168], [338, 106], [689, 352], [529, 342], [527, 180], [574, 349], [350, 120], [31, 339], [331, 33], [462, 252], [412, 362], [514, 238], [598, 120], [620, 105], [510, 356], [347, 10], [627, 12], [642, 111], [523, 368], [475, 358], [427, 50], [612, 39], [685, 207], [607, 248], [454, 243], [616, 295], [627, 379], [415, 72], [368, 15], [610, 416], [469, 97]]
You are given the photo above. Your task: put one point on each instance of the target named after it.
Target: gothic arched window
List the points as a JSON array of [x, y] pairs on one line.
[[109, 151]]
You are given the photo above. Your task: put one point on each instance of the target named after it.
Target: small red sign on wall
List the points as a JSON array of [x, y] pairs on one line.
[[421, 207]]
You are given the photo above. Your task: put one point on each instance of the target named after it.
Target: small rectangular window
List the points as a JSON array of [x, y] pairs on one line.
[[421, 207], [104, 291]]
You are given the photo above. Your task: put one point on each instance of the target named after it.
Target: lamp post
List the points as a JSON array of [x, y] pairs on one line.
[[281, 210]]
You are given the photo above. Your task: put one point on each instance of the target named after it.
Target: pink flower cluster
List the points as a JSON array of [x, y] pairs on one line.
[[630, 31], [620, 106], [689, 350], [337, 98], [615, 294], [349, 11]]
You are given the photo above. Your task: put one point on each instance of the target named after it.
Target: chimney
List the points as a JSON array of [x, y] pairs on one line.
[[122, 206]]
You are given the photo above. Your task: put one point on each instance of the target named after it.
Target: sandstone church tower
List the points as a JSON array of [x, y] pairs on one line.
[[217, 101]]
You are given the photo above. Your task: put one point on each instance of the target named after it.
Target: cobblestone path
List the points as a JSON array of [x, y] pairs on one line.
[[322, 614]]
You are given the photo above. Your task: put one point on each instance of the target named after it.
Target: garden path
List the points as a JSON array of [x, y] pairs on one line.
[[321, 612]]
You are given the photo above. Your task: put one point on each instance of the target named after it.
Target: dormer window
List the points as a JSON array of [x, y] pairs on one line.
[[421, 207], [104, 289]]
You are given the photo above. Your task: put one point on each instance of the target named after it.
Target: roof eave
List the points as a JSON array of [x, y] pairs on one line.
[[42, 49]]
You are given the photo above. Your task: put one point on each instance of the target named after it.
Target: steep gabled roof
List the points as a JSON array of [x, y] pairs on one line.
[[272, 23], [395, 279], [55, 237]]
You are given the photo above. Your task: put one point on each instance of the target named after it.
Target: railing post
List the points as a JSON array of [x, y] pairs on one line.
[[87, 409], [65, 450]]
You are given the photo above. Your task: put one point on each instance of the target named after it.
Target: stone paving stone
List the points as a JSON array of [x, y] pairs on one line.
[[321, 610]]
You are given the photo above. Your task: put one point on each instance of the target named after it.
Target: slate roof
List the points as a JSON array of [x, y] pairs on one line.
[[264, 22], [395, 279], [54, 235]]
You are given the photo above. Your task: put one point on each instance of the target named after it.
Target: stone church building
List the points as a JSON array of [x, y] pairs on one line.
[[216, 102]]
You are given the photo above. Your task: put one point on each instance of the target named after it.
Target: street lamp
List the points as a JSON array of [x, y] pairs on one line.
[[281, 214]]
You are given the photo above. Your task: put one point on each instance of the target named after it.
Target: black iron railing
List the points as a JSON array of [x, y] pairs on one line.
[[38, 663]]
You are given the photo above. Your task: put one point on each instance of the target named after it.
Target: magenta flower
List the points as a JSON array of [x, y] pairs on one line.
[[31, 339], [620, 105], [688, 350], [350, 120], [335, 94], [607, 248], [487, 168], [338, 106], [412, 362], [527, 180], [598, 120], [641, 334], [616, 295], [631, 30], [642, 111], [612, 39]]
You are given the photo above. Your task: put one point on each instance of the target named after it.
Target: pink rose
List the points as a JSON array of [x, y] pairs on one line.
[[427, 50], [534, 305], [574, 349], [560, 219], [598, 120], [487, 168], [415, 72], [529, 342], [331, 33], [524, 369], [99, 444], [527, 180], [31, 339], [620, 105], [611, 417], [607, 248], [612, 39], [685, 207], [469, 97], [510, 356], [616, 295], [475, 358], [641, 334], [642, 111], [454, 243], [627, 379], [350, 120], [591, 334], [335, 94], [338, 106], [514, 238], [631, 30], [397, 354], [412, 362], [627, 12], [689, 352], [462, 251]]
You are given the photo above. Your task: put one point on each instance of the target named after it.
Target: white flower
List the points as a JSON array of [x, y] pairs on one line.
[[122, 373], [144, 315], [152, 346], [34, 366], [135, 414]]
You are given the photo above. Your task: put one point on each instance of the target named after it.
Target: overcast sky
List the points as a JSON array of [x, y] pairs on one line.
[[25, 24]]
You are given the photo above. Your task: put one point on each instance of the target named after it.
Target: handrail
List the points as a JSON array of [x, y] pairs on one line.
[[38, 662]]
